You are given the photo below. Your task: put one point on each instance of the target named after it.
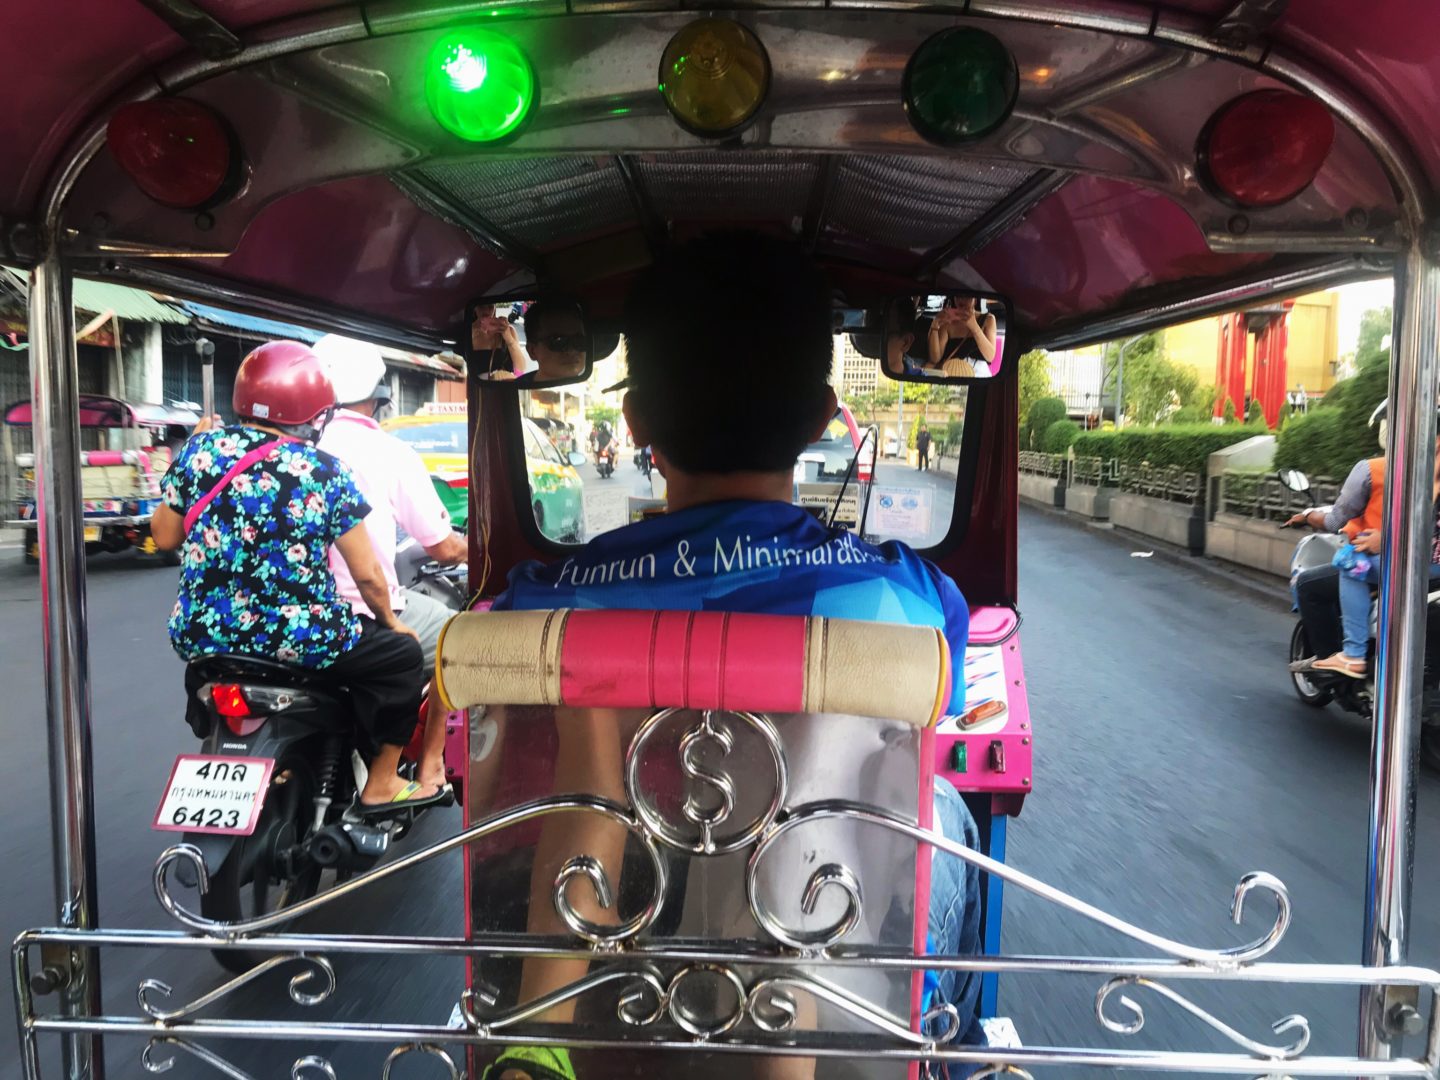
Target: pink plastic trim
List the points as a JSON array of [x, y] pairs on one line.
[[989, 625]]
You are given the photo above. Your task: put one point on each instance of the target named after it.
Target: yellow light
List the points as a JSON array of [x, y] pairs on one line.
[[714, 75]]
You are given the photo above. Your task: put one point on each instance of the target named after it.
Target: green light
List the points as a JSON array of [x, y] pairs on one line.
[[479, 85], [960, 85]]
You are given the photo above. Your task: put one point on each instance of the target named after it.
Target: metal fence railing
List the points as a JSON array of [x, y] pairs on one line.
[[1094, 472], [1161, 482], [1041, 464], [1262, 496]]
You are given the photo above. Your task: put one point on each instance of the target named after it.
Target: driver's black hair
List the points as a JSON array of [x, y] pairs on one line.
[[536, 313], [729, 346]]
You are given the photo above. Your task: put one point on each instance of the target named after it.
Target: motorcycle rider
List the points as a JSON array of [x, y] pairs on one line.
[[396, 484], [1359, 508], [257, 507], [602, 441]]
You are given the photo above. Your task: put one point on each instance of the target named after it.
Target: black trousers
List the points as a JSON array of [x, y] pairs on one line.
[[923, 455], [383, 675], [1317, 594]]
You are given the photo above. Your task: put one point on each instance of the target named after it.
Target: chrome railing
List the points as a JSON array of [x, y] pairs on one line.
[[782, 998]]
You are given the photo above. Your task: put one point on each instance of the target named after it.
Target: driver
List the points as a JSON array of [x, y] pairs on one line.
[[258, 507], [726, 427], [396, 484], [555, 339]]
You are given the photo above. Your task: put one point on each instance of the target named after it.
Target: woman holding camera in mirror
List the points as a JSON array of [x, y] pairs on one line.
[[962, 339]]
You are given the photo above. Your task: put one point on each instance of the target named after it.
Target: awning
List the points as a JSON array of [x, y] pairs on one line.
[[250, 325], [98, 297]]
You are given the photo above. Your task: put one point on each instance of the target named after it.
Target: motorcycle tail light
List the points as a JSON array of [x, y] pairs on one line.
[[229, 700], [178, 152]]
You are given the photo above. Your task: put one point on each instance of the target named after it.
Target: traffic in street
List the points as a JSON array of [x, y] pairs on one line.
[[1172, 757]]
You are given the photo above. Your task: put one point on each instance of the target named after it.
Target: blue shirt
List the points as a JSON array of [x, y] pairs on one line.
[[255, 574], [766, 557]]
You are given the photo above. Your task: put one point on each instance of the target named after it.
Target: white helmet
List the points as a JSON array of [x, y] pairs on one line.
[[356, 369]]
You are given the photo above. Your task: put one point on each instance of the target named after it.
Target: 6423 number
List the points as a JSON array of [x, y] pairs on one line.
[[202, 818]]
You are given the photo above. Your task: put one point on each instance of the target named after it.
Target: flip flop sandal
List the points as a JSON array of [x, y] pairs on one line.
[[1342, 665], [405, 799]]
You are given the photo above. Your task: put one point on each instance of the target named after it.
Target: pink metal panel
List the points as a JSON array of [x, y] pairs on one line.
[[1092, 242], [1007, 772], [361, 244]]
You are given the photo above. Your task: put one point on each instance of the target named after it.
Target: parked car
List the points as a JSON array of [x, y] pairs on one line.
[[892, 446], [557, 493], [559, 432]]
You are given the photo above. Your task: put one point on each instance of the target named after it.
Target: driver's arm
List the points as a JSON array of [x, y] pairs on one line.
[[450, 551]]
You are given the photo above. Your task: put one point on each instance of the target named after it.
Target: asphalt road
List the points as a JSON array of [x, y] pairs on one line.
[[1172, 757]]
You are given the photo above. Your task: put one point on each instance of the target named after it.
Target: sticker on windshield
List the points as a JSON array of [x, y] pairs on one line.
[[901, 513], [826, 499]]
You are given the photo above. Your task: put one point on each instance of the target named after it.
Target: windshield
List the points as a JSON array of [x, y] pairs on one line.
[[439, 438]]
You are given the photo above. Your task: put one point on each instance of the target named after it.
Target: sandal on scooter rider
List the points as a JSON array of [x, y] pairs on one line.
[[1340, 664], [407, 798]]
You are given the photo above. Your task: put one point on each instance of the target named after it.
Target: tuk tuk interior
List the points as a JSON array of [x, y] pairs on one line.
[[1103, 167]]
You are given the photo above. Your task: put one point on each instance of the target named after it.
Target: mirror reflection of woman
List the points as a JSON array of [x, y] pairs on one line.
[[962, 339]]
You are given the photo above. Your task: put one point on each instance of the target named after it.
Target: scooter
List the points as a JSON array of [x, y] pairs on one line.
[[605, 460], [270, 795], [1319, 688]]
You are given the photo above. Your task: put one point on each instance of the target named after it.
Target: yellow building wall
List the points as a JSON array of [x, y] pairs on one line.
[[1310, 354]]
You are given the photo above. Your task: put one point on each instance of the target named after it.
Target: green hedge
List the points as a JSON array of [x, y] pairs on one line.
[[1042, 414], [1185, 445], [1330, 438], [1059, 435]]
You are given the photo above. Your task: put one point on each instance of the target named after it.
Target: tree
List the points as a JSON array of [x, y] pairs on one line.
[[600, 412], [1034, 379], [1230, 411], [1042, 414], [1255, 415], [1154, 385], [1059, 435], [1370, 346]]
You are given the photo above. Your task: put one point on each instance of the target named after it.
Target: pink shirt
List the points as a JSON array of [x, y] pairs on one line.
[[397, 486]]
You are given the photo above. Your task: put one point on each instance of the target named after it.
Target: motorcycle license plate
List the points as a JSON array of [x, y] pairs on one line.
[[92, 533], [213, 794]]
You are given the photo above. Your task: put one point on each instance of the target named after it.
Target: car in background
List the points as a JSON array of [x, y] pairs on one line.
[[561, 434], [828, 458], [892, 446], [441, 437]]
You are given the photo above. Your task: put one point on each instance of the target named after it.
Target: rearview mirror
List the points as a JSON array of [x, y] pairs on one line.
[[943, 337], [531, 344], [577, 459], [1294, 479]]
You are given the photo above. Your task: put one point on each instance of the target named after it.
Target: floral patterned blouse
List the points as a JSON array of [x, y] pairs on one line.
[[255, 578]]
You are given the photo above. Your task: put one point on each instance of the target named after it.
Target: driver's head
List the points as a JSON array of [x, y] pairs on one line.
[[555, 338], [728, 344]]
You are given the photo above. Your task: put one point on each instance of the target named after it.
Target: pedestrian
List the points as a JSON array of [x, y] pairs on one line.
[[922, 447]]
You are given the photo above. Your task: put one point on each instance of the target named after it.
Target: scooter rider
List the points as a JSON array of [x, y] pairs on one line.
[[394, 482], [257, 507], [1358, 509]]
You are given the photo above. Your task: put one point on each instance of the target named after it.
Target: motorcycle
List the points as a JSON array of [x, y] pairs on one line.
[[605, 460], [269, 797], [1319, 688]]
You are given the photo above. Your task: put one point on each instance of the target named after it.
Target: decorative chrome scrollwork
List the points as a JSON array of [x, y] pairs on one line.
[[841, 809], [771, 1007], [1295, 1023], [632, 1008], [312, 1064], [316, 966], [1001, 1070], [701, 814], [515, 815], [432, 1049]]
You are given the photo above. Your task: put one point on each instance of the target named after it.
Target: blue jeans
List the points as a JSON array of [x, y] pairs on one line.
[[954, 922], [1355, 607]]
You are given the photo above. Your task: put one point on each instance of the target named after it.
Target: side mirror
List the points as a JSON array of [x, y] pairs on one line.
[[577, 459], [1294, 479]]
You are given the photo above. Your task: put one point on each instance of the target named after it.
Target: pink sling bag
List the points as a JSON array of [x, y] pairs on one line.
[[263, 450]]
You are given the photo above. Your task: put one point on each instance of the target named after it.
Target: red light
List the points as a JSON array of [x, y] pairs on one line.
[[1264, 148], [178, 152], [229, 700]]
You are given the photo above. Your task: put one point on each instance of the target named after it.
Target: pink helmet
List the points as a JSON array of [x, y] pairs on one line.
[[282, 382]]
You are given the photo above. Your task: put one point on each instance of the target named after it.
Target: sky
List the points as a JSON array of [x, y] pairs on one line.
[[1355, 300]]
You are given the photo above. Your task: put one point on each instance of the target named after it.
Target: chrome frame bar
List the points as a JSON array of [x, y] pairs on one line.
[[1400, 650], [54, 371]]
